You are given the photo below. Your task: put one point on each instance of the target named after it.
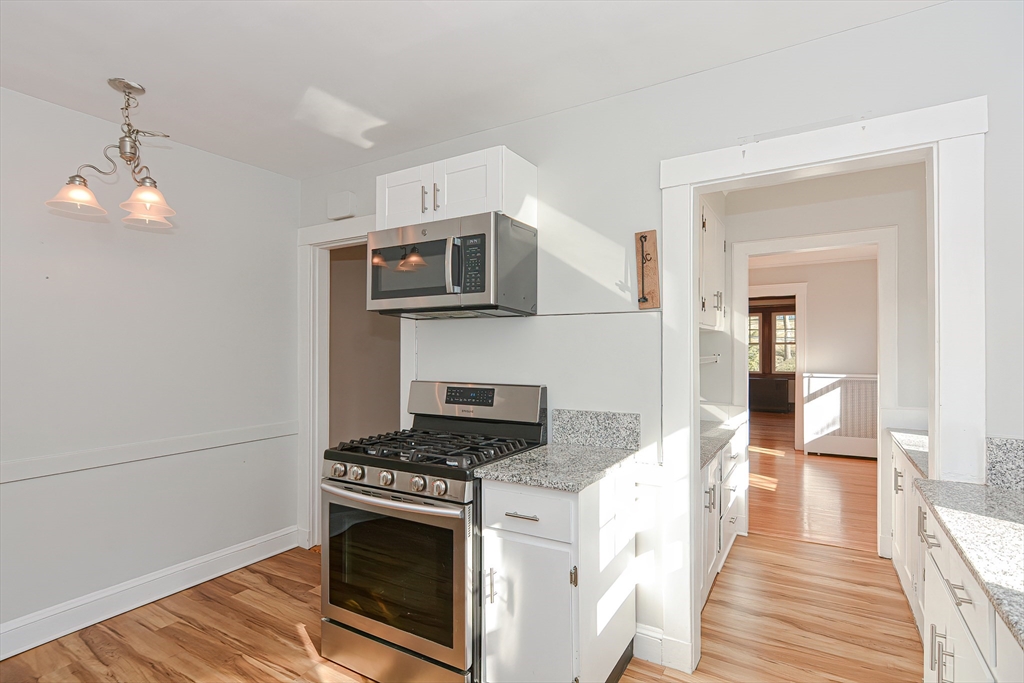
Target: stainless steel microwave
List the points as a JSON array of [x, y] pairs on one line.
[[474, 266]]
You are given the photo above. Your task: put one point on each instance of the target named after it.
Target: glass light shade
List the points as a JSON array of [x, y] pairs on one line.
[[146, 221], [149, 201], [413, 260], [75, 198], [379, 260]]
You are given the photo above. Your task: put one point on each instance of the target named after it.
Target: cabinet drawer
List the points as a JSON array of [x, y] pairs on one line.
[[1009, 665], [734, 486], [525, 513], [732, 520], [968, 597]]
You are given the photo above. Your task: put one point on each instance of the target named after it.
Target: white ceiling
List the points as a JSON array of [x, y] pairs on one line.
[[304, 88], [860, 252]]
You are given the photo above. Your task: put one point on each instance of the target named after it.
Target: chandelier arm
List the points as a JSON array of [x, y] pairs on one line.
[[137, 173], [113, 164]]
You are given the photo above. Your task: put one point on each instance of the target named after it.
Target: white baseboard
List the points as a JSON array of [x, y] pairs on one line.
[[31, 630], [843, 445], [885, 546], [647, 643], [677, 654]]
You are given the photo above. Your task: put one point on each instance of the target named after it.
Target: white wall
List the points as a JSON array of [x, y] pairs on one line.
[[868, 199], [119, 344], [842, 313], [598, 163]]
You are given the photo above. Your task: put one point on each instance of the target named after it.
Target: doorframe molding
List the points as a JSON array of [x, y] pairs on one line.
[[314, 272], [950, 138]]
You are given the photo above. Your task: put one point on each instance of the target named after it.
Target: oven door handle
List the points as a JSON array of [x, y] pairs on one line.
[[454, 513]]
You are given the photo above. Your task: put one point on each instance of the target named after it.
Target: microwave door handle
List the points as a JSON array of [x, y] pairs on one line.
[[455, 513], [449, 280]]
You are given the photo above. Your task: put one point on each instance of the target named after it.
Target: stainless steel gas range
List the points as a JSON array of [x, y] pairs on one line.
[[400, 572]]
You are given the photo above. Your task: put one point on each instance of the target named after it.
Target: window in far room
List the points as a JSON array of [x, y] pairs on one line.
[[771, 337]]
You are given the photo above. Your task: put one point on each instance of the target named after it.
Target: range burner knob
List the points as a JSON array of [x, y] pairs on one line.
[[440, 488], [418, 483], [338, 470], [355, 472], [386, 478]]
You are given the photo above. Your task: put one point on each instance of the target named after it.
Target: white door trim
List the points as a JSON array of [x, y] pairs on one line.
[[314, 245], [956, 218]]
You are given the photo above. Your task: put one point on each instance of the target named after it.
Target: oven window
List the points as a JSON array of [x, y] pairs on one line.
[[394, 571], [413, 270]]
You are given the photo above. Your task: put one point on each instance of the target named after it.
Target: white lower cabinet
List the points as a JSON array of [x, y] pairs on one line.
[[950, 653], [526, 581], [965, 641], [724, 485], [559, 596]]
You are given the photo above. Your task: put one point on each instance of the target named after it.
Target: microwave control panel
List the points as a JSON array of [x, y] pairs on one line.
[[474, 258]]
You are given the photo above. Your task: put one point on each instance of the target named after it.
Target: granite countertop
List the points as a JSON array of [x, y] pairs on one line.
[[562, 467], [913, 442], [986, 525], [713, 438]]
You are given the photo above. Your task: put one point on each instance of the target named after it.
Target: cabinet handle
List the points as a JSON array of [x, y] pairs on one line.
[[929, 540], [732, 520], [490, 574], [423, 198], [731, 488], [896, 476], [707, 505], [714, 488], [942, 654], [529, 518], [733, 456], [953, 588], [436, 205]]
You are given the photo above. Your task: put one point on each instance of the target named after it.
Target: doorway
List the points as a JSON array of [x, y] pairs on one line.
[[364, 355]]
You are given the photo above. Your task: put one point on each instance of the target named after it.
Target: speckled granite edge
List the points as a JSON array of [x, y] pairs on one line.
[[595, 428], [986, 527], [1005, 466], [713, 438], [562, 467], [913, 442]]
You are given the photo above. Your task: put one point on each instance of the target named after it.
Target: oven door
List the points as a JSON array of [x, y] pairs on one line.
[[419, 266], [399, 568]]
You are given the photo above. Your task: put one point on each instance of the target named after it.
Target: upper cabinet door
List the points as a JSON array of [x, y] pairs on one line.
[[471, 183], [405, 197], [712, 269], [494, 179]]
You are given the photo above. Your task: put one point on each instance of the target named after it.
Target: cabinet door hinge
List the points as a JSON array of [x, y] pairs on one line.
[[703, 223], [573, 576]]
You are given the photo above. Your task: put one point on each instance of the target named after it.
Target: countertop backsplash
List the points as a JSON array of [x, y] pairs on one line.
[[595, 428], [1005, 467]]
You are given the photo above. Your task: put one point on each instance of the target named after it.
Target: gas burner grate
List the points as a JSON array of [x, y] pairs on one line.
[[448, 449]]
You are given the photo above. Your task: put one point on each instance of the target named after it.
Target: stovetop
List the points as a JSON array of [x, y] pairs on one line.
[[438, 453], [448, 449]]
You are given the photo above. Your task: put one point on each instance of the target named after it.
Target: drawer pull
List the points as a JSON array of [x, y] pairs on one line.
[[732, 520], [732, 488], [529, 518], [733, 456], [953, 588]]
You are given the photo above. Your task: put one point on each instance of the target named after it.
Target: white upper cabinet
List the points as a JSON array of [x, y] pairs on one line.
[[403, 197], [711, 292], [494, 179]]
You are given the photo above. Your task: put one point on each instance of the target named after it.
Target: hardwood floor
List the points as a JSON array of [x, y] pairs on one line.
[[784, 610], [817, 498], [260, 623], [780, 611]]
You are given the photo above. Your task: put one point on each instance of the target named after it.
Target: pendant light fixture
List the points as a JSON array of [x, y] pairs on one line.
[[379, 260], [412, 261], [147, 206]]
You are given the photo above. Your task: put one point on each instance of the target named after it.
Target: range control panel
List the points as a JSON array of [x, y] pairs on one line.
[[474, 256], [469, 396]]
